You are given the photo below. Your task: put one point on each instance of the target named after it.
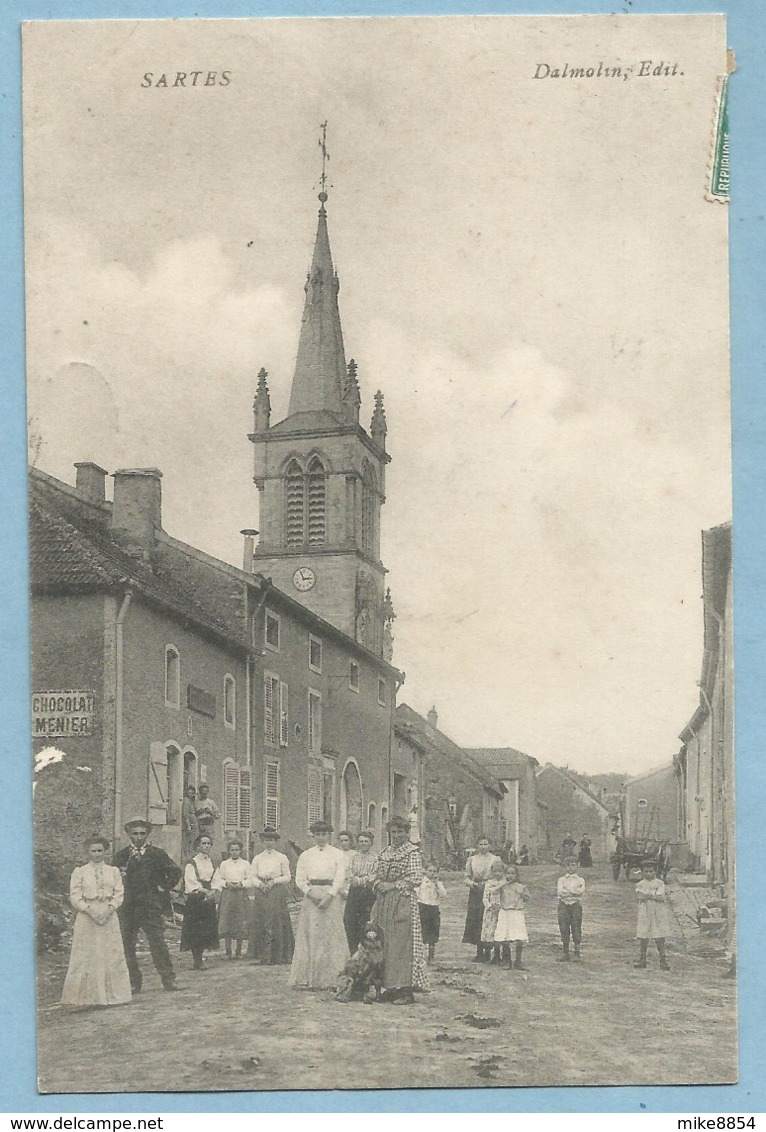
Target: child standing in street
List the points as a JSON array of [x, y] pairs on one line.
[[570, 888], [511, 924], [430, 894], [492, 890], [653, 916]]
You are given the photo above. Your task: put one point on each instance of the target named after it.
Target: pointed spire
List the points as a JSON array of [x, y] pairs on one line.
[[261, 404], [352, 398], [378, 426], [320, 368]]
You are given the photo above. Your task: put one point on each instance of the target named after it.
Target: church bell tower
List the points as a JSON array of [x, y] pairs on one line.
[[320, 475]]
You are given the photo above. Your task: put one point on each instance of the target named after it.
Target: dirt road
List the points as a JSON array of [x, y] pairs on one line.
[[238, 1027]]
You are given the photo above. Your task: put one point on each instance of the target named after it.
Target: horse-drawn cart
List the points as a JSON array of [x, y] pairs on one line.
[[631, 853]]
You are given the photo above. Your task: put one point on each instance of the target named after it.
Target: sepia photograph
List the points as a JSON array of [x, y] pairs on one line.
[[380, 552]]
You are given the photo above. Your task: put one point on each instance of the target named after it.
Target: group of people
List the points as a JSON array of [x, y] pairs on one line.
[[368, 925], [581, 853], [495, 917]]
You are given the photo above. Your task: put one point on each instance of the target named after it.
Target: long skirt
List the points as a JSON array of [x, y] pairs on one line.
[[474, 915], [270, 931], [321, 949], [404, 956], [233, 914], [97, 973], [585, 859], [358, 908], [199, 931]]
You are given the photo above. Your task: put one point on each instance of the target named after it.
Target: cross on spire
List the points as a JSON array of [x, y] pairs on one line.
[[322, 143]]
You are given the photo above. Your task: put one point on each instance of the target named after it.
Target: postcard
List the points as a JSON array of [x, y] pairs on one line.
[[380, 550]]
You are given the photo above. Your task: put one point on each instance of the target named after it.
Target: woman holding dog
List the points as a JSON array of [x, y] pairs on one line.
[[398, 873], [321, 949]]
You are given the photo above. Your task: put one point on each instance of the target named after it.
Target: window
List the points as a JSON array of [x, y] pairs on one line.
[[272, 631], [382, 692], [172, 676], [271, 794], [174, 783], [237, 797], [271, 707], [315, 654], [315, 807], [229, 701], [305, 504], [315, 721], [284, 720], [353, 676]]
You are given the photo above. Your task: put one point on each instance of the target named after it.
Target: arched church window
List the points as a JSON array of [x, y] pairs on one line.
[[294, 504], [316, 501], [368, 509]]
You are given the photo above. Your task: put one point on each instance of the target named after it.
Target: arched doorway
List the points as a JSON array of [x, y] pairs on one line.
[[351, 799]]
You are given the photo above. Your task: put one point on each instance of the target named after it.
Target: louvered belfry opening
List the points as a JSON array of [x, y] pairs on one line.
[[368, 509], [305, 504]]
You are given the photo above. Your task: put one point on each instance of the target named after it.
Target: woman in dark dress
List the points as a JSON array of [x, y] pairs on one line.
[[477, 870], [584, 858], [361, 895], [199, 932]]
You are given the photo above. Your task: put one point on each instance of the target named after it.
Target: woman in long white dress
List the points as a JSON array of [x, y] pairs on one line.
[[97, 974], [321, 949]]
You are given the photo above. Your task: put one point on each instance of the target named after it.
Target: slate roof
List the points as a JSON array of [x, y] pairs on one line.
[[575, 780], [504, 761], [72, 551], [408, 719]]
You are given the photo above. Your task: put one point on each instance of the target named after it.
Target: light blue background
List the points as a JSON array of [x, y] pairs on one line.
[[747, 35]]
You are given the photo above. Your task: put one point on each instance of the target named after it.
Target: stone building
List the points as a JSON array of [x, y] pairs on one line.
[[651, 806], [520, 814], [572, 808], [460, 800]]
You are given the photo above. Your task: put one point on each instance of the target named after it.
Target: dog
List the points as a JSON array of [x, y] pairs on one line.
[[361, 980]]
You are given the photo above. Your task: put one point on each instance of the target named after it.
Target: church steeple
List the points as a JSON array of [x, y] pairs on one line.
[[320, 368]]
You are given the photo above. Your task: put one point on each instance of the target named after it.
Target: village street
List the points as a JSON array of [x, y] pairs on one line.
[[238, 1027]]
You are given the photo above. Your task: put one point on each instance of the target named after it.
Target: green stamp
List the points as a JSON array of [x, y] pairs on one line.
[[718, 188]]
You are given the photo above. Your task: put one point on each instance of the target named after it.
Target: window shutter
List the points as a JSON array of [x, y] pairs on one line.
[[245, 798], [316, 495], [268, 707], [230, 796], [158, 784], [315, 794], [294, 492], [271, 795], [284, 719]]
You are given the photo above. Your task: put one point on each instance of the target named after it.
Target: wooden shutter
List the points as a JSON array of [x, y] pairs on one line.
[[158, 784], [315, 793], [231, 796], [284, 719], [270, 707], [271, 795], [245, 807]]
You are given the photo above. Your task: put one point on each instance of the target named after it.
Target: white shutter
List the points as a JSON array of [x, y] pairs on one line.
[[315, 793], [230, 796], [271, 795], [245, 799], [284, 719], [158, 784], [268, 707]]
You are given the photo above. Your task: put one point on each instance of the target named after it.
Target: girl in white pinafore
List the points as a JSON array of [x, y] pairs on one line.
[[511, 922]]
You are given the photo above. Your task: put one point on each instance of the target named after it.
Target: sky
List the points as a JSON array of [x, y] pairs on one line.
[[529, 270]]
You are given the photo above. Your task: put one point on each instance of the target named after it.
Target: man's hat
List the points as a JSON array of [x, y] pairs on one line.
[[136, 823]]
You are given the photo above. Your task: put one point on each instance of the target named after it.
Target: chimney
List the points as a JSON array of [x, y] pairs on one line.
[[91, 482], [432, 717], [137, 508], [249, 550]]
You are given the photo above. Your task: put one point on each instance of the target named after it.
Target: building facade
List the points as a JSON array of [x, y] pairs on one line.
[[520, 816], [651, 806]]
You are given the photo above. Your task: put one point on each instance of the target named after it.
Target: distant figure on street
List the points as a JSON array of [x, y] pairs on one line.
[[189, 823], [430, 895], [206, 812], [511, 922], [148, 875], [508, 853], [476, 874], [653, 915], [570, 889], [199, 932], [568, 847], [523, 857], [584, 857], [97, 974]]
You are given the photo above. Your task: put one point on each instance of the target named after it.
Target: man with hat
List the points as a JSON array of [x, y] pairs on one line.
[[148, 875]]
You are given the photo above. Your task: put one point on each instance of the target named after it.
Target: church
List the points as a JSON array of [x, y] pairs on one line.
[[271, 681]]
